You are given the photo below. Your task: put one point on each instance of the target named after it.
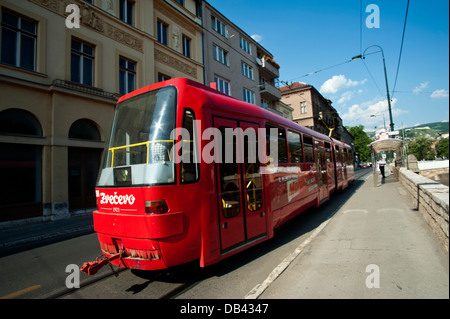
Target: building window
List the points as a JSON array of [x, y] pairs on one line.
[[303, 107], [181, 2], [126, 11], [220, 55], [82, 63], [163, 77], [127, 76], [264, 104], [219, 26], [247, 70], [222, 85], [186, 47], [162, 33], [249, 96], [18, 40], [245, 45]]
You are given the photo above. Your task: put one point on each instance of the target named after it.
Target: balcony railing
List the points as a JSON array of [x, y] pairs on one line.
[[268, 68]]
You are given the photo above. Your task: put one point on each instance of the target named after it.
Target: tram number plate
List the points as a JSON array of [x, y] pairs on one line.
[[122, 176]]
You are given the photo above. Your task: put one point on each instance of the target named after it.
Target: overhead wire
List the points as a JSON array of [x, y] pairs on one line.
[[326, 68], [401, 49]]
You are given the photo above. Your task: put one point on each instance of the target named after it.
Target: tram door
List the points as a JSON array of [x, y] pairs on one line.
[[321, 170], [239, 186]]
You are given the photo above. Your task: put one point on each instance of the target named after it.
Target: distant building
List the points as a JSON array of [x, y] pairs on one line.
[[238, 64], [311, 109]]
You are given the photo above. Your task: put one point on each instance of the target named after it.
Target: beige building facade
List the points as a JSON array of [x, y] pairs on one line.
[[60, 81], [311, 109]]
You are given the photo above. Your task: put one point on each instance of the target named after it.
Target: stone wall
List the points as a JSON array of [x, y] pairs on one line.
[[431, 199]]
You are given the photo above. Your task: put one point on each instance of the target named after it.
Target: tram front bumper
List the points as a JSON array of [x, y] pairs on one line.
[[153, 226]]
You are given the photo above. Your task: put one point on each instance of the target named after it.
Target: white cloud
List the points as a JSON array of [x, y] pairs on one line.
[[439, 94], [338, 82], [346, 96], [360, 114], [420, 88], [257, 37]]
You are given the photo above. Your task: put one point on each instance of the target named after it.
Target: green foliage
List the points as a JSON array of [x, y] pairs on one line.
[[361, 142], [421, 148], [442, 148]]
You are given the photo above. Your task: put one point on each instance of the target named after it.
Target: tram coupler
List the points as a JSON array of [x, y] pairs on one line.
[[92, 267]]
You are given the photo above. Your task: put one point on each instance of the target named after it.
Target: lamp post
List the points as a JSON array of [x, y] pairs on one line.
[[391, 124], [384, 121]]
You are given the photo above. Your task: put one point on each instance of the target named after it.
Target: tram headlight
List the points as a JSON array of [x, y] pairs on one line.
[[156, 207]]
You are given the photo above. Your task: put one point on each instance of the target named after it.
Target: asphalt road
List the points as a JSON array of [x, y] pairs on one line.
[[42, 272]]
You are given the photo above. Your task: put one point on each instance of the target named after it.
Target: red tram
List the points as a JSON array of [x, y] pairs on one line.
[[158, 209]]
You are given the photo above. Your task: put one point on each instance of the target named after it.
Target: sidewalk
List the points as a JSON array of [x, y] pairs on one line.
[[28, 236], [375, 246]]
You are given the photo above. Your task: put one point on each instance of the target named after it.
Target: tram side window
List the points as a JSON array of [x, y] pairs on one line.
[[295, 147], [189, 166], [308, 148], [280, 140]]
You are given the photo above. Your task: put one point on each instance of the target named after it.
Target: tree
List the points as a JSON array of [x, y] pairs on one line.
[[442, 148], [421, 148], [361, 142]]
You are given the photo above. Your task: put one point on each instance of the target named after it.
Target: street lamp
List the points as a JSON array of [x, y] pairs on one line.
[[386, 79], [384, 121]]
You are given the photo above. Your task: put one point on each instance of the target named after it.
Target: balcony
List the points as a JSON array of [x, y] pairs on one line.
[[269, 92], [268, 68]]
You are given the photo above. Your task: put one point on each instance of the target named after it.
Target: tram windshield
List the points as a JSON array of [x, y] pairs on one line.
[[138, 152]]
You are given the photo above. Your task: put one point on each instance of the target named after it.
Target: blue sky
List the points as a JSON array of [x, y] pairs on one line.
[[309, 36]]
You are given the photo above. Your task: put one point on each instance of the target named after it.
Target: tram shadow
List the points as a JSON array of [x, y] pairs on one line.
[[189, 274], [291, 231]]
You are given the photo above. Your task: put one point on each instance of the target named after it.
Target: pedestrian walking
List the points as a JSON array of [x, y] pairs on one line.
[[381, 164]]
